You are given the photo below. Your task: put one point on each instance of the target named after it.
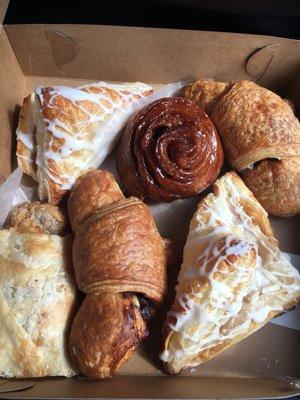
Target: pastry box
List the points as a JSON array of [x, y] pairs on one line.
[[264, 365]]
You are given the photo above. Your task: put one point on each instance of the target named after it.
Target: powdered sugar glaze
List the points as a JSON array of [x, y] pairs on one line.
[[90, 137], [77, 136], [255, 280]]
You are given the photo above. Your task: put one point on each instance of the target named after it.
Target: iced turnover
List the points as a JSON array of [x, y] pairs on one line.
[[63, 131], [233, 279]]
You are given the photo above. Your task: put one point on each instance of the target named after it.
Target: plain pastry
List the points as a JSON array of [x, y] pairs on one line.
[[63, 132], [233, 280], [37, 217], [37, 298], [120, 264], [261, 138]]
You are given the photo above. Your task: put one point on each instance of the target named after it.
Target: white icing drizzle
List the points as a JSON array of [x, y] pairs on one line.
[[91, 138], [239, 295], [25, 138]]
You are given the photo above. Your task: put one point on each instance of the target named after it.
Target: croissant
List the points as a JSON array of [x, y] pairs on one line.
[[233, 279], [120, 264], [63, 132], [261, 138], [169, 150]]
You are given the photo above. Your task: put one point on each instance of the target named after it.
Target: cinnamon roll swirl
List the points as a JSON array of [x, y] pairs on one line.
[[169, 150]]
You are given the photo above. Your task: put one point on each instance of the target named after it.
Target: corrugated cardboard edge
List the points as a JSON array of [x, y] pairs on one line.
[[147, 387], [3, 8]]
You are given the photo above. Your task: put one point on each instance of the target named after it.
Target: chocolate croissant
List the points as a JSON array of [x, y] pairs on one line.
[[120, 264], [169, 150], [261, 138]]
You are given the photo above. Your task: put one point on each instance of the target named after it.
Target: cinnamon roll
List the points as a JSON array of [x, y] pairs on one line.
[[169, 150]]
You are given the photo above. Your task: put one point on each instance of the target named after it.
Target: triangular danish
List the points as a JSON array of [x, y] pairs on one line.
[[63, 132], [233, 279]]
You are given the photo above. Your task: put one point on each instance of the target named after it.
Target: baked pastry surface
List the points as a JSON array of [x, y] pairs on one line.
[[276, 185], [169, 150], [233, 279], [261, 138], [63, 132], [120, 261], [37, 294], [37, 297], [37, 217]]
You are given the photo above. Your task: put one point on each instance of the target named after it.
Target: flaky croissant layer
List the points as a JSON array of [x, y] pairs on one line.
[[120, 264], [105, 333], [261, 138]]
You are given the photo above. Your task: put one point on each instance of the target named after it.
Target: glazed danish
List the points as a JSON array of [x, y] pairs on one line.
[[233, 279], [169, 150], [63, 131]]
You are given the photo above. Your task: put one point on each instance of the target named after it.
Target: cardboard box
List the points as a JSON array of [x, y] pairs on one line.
[[73, 54]]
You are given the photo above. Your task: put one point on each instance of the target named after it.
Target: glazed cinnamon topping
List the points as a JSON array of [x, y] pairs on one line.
[[169, 150]]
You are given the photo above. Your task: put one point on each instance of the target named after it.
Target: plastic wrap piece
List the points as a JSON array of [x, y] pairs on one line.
[[8, 191], [13, 193]]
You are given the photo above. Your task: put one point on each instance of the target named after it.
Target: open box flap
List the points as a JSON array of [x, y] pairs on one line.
[[153, 55], [3, 8]]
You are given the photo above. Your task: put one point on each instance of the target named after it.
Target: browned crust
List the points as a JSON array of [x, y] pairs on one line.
[[37, 217], [131, 249], [206, 93], [276, 185], [201, 285], [257, 128], [91, 192], [254, 123], [117, 249], [105, 333]]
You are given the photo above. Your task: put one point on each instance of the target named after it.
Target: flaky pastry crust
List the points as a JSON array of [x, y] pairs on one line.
[[261, 138], [63, 132], [233, 279], [276, 185], [118, 255], [37, 300], [38, 217]]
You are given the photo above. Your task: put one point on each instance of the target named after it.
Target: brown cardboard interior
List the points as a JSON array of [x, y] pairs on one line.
[[3, 8], [72, 55]]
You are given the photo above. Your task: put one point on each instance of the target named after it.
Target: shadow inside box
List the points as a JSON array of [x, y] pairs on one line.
[[13, 116]]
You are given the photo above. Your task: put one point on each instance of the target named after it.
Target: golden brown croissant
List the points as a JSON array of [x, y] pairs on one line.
[[120, 263], [233, 278], [261, 137]]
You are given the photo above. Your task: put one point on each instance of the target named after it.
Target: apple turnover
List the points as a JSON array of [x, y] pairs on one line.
[[63, 132], [233, 279]]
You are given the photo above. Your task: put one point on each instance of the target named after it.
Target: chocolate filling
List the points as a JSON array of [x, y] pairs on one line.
[[147, 309]]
